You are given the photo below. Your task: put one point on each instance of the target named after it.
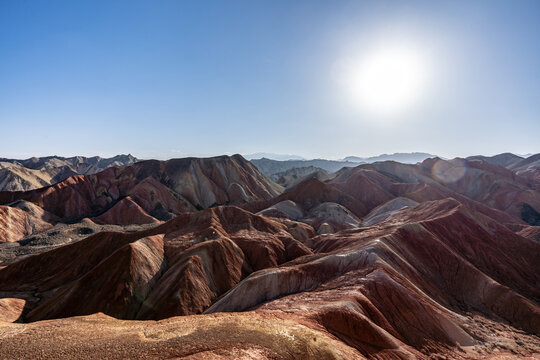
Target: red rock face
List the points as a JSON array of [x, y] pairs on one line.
[[22, 219], [311, 193], [13, 224], [118, 282], [489, 184], [125, 212], [493, 185], [368, 187], [11, 309], [531, 232]]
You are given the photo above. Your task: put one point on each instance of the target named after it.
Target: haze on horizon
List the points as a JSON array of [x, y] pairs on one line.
[[205, 78]]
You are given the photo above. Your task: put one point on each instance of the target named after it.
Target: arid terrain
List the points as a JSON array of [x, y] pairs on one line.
[[209, 258], [33, 173]]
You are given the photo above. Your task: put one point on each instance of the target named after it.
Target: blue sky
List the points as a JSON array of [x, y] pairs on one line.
[[163, 79]]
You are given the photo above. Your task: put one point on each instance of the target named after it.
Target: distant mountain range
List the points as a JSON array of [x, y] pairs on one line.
[[271, 167], [272, 156], [404, 158]]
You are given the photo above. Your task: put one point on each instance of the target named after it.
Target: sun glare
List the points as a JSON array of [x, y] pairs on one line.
[[388, 81]]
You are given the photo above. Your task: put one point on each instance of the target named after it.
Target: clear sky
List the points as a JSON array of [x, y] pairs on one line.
[[167, 79]]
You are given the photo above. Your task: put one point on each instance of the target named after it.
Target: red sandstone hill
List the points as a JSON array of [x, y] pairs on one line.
[[21, 219], [489, 184], [34, 173], [178, 268], [311, 193], [489, 189], [161, 188], [125, 212], [13, 224], [439, 260], [429, 280]]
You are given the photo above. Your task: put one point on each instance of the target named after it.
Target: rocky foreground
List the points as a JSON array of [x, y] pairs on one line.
[[438, 260]]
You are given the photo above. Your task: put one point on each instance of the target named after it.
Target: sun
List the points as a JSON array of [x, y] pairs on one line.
[[388, 80]]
